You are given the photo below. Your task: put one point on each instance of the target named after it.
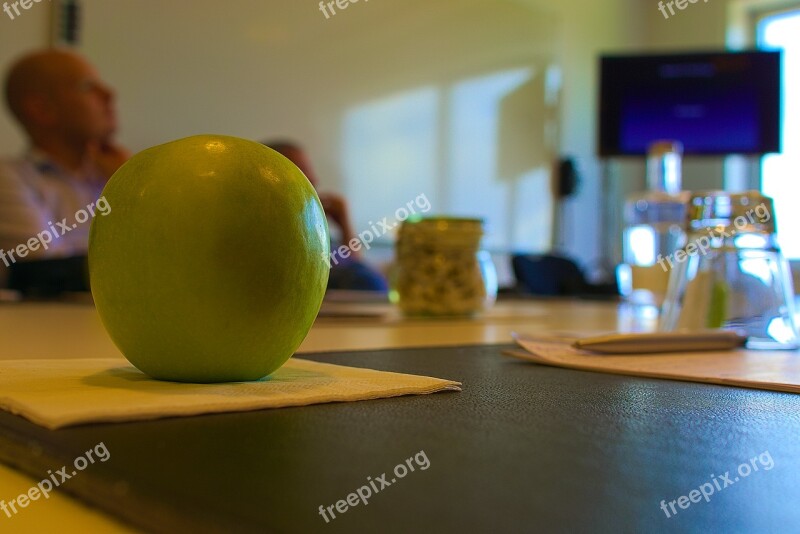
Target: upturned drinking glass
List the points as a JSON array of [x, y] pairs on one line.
[[731, 273]]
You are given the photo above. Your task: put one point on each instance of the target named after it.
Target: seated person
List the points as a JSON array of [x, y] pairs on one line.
[[68, 115], [350, 273]]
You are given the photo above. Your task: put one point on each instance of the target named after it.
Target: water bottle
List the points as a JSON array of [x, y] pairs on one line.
[[654, 222]]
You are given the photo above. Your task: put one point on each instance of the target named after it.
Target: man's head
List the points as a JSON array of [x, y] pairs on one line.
[[295, 153], [58, 93]]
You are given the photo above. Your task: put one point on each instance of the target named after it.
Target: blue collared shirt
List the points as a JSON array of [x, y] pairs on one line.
[[36, 194]]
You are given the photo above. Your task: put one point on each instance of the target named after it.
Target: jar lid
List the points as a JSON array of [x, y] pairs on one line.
[[441, 229], [746, 212], [446, 223]]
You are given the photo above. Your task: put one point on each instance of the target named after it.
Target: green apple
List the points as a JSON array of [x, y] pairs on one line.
[[208, 268]]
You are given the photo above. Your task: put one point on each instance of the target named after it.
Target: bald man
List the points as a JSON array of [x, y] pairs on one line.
[[68, 114]]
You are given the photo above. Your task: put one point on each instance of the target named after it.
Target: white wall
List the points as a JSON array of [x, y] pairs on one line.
[[263, 69], [590, 29], [27, 31]]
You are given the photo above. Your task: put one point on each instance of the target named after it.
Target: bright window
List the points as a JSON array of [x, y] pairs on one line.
[[781, 172]]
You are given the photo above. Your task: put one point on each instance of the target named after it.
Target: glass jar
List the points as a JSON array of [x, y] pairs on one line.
[[731, 273], [440, 269]]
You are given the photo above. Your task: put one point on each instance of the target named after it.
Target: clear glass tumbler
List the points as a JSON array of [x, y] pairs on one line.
[[731, 273]]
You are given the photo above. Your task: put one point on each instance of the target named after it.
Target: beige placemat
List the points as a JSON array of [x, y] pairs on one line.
[[772, 370], [59, 393]]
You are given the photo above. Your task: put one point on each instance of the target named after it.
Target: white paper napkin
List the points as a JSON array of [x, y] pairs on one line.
[[59, 393]]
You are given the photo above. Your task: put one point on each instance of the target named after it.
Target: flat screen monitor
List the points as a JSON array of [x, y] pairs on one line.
[[715, 103]]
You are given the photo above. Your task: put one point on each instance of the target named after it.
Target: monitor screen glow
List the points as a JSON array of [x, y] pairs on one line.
[[714, 103]]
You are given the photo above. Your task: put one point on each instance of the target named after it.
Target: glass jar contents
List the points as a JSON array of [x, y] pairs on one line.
[[440, 269]]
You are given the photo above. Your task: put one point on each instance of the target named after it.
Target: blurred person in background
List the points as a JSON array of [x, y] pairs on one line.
[[346, 273], [68, 115]]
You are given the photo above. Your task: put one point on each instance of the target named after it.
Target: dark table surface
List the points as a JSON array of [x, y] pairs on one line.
[[524, 448]]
